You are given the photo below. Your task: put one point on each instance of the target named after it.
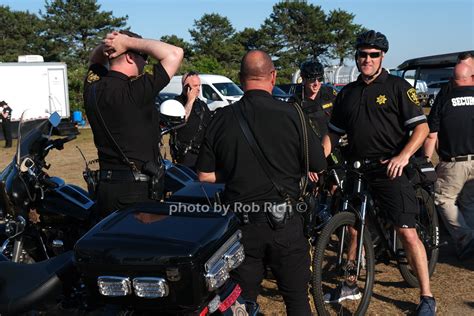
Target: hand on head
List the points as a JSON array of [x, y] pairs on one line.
[[115, 44]]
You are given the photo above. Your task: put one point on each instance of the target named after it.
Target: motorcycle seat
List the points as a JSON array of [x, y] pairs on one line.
[[24, 285]]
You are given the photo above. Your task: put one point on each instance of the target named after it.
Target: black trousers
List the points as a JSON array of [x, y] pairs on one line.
[[7, 132], [286, 252], [115, 195]]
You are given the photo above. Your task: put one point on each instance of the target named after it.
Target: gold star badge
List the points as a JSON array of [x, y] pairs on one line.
[[381, 99]]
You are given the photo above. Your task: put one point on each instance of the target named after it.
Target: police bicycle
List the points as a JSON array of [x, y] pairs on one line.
[[357, 226]]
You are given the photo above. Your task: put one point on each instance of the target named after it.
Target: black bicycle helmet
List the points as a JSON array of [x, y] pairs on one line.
[[372, 39], [311, 69]]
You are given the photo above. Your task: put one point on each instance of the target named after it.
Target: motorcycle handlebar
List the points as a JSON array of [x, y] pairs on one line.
[[59, 143]]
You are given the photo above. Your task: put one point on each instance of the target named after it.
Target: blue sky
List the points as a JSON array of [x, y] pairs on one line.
[[414, 28]]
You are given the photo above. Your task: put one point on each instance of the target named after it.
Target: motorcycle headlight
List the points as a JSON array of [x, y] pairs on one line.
[[234, 256], [150, 287], [229, 256], [217, 276], [114, 286]]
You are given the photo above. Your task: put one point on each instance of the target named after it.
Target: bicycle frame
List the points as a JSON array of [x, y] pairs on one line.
[[363, 212]]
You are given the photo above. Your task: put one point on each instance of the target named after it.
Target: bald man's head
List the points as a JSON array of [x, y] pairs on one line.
[[462, 74], [257, 71], [256, 65]]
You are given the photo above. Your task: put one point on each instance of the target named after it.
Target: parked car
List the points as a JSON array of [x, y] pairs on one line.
[[281, 95], [217, 91], [163, 96], [433, 90], [294, 89], [430, 69]]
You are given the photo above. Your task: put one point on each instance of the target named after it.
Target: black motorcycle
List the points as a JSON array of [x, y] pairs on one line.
[[146, 259], [42, 215]]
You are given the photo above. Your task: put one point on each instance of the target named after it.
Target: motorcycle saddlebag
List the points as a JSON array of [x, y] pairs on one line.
[[155, 241]]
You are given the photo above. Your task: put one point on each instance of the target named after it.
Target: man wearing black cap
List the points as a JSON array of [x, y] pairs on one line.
[[6, 123], [120, 105], [317, 98], [385, 124]]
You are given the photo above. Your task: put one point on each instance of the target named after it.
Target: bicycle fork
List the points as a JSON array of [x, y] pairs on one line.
[[360, 246]]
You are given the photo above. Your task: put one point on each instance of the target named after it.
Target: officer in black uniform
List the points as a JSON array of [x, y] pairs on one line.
[[463, 58], [6, 123], [120, 105], [451, 127], [317, 99], [186, 141], [226, 156], [378, 112]]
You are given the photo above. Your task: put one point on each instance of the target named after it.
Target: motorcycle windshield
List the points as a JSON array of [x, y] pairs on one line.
[[35, 134]]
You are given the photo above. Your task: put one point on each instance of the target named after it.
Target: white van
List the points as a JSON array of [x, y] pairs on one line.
[[217, 91]]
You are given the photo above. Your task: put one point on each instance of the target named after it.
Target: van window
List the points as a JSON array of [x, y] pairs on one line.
[[228, 89], [209, 93]]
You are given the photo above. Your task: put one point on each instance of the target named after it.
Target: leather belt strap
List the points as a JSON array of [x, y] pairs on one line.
[[458, 158], [122, 175]]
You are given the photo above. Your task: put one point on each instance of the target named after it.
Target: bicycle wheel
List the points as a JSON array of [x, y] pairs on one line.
[[330, 270], [427, 227]]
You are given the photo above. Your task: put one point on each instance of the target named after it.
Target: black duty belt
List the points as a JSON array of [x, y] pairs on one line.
[[258, 217], [122, 175], [458, 158]]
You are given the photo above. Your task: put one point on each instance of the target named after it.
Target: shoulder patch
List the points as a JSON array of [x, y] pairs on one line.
[[92, 77], [412, 96], [334, 91]]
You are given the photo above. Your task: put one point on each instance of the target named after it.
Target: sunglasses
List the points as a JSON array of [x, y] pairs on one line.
[[362, 54], [313, 79]]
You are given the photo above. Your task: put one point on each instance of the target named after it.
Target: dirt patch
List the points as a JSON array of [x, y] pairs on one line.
[[452, 282]]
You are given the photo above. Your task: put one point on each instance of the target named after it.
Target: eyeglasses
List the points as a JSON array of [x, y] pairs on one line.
[[313, 79], [362, 54]]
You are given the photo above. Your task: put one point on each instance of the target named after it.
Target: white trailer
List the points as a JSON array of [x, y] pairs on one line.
[[39, 87]]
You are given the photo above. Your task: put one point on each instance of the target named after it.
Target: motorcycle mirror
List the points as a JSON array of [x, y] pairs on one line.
[[26, 164], [55, 119]]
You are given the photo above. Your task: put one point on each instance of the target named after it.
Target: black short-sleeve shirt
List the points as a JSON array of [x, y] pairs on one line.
[[277, 129], [127, 106], [319, 110], [452, 116], [376, 117]]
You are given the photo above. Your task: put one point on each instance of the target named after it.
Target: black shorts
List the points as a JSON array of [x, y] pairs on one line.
[[396, 198]]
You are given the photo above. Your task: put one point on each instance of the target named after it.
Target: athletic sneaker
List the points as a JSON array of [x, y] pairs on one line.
[[427, 306], [343, 292]]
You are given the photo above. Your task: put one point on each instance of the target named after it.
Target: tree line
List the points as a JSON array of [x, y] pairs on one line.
[[67, 31]]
